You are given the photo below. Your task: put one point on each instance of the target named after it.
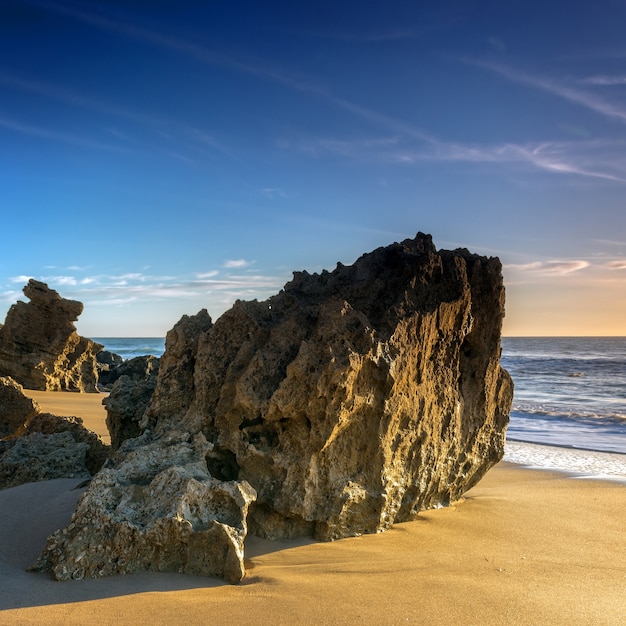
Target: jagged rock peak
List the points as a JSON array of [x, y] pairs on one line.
[[39, 345], [42, 296]]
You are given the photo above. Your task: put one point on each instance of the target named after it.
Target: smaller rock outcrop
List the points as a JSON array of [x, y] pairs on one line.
[[39, 345], [36, 457], [129, 397], [15, 408], [38, 446], [136, 369], [162, 512], [106, 363], [96, 451], [109, 359]]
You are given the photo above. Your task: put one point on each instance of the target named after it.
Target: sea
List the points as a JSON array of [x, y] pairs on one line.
[[569, 406], [130, 347]]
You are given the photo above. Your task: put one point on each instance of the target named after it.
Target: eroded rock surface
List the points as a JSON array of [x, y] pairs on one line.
[[351, 400], [129, 398], [39, 345], [157, 508], [40, 446], [34, 457], [15, 408], [176, 387], [96, 452]]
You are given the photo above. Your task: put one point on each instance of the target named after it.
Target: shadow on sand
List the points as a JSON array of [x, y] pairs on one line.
[[31, 512]]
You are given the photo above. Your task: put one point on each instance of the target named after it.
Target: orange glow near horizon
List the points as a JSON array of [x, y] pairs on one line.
[[593, 305]]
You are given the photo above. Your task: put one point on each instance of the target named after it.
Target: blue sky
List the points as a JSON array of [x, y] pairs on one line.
[[161, 157]]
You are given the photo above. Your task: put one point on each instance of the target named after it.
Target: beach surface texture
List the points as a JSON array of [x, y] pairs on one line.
[[523, 547]]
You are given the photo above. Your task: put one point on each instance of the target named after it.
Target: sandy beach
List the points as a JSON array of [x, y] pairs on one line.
[[88, 406], [523, 547]]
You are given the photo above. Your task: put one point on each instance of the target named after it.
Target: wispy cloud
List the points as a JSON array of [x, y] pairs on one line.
[[617, 265], [124, 288], [169, 137], [604, 80], [392, 34], [10, 296], [67, 96], [559, 268], [611, 242], [408, 144], [147, 35], [273, 192], [586, 158], [237, 263], [230, 62], [559, 157], [22, 279], [555, 87], [57, 136], [574, 158], [205, 275]]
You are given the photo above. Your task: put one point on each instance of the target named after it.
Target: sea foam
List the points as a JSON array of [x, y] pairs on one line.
[[582, 463]]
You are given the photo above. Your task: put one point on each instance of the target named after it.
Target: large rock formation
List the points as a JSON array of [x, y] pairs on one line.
[[40, 446], [349, 401], [39, 346]]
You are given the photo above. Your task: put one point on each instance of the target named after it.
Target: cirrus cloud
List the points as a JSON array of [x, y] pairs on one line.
[[617, 265], [237, 263], [123, 289], [556, 267]]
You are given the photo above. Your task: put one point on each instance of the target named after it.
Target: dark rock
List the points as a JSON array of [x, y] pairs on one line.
[[128, 400], [36, 457], [15, 408], [96, 453], [108, 360], [136, 369]]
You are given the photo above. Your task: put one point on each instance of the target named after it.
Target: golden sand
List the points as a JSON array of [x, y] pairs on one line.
[[524, 547], [85, 405]]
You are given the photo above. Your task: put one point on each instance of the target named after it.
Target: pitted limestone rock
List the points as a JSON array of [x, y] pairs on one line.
[[355, 398], [157, 508]]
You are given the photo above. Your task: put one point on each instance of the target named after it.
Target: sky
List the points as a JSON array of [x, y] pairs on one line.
[[157, 158]]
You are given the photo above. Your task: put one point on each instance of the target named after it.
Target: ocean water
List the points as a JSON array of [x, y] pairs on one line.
[[130, 347], [569, 409]]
